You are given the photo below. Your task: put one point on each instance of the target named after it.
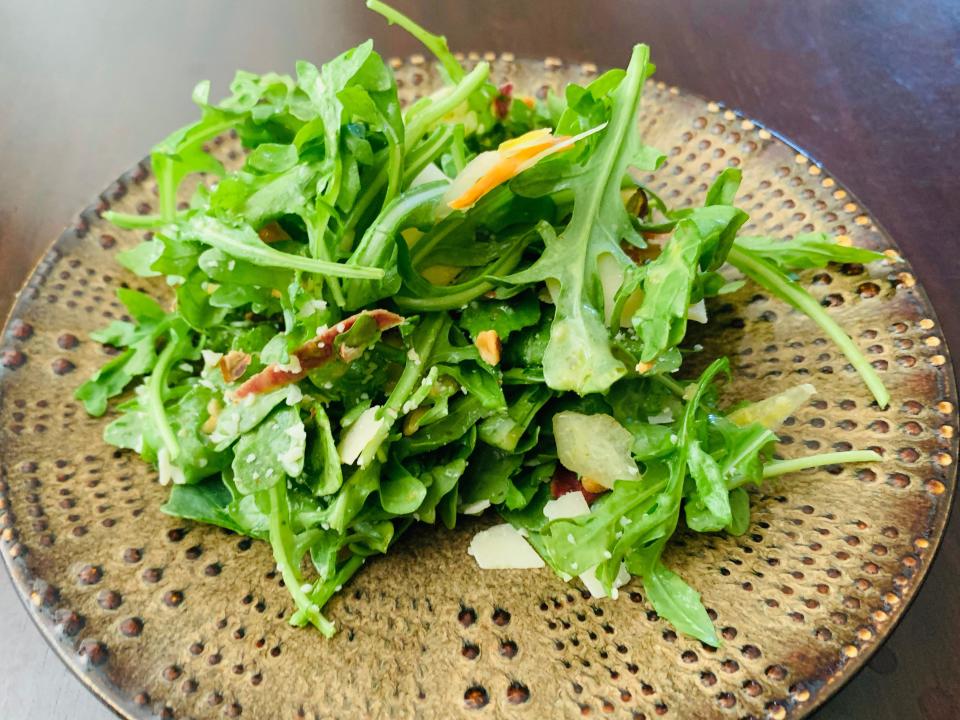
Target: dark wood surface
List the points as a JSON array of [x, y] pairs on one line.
[[870, 88]]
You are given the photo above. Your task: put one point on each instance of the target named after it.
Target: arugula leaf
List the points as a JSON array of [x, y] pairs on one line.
[[139, 357], [243, 243], [661, 521], [140, 258], [241, 417], [739, 512], [668, 281], [441, 482], [273, 157], [708, 510], [808, 250], [488, 476], [274, 450], [324, 474], [187, 415], [142, 308], [673, 599], [503, 316], [182, 153], [204, 502], [578, 355], [347, 503], [378, 247], [505, 430], [400, 492], [741, 453]]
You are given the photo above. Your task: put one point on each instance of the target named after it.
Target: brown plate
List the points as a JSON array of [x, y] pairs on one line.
[[165, 618]]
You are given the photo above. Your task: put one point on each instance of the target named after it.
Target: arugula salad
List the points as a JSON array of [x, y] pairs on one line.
[[392, 316]]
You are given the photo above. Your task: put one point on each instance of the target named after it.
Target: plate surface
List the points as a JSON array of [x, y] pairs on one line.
[[166, 618]]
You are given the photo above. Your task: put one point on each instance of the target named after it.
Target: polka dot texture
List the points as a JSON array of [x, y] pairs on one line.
[[176, 620]]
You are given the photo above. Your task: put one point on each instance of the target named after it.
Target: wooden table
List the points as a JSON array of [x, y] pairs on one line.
[[870, 88]]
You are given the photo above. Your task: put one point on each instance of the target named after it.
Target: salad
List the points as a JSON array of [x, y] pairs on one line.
[[391, 316]]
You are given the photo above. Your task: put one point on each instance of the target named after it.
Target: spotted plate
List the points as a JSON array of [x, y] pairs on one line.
[[164, 618]]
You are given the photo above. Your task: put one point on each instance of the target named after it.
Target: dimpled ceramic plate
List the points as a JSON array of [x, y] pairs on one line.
[[163, 618]]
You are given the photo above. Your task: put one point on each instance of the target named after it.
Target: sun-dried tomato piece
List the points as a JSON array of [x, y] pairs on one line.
[[566, 481], [501, 103]]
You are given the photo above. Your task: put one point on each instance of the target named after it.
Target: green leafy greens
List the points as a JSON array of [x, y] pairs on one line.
[[354, 348]]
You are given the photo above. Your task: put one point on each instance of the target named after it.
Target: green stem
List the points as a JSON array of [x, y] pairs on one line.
[[671, 384], [325, 590], [769, 277], [782, 467], [305, 540], [156, 389], [133, 221], [437, 44], [216, 235], [422, 343], [414, 131], [426, 152], [440, 106], [459, 159], [166, 187], [462, 293], [282, 540], [493, 208], [394, 168], [415, 160], [431, 328], [378, 246]]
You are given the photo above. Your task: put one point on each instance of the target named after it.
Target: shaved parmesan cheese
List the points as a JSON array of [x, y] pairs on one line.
[[210, 358], [293, 366], [430, 173], [569, 505], [169, 470], [363, 430], [595, 587], [697, 312], [312, 307], [503, 548], [664, 417], [475, 508]]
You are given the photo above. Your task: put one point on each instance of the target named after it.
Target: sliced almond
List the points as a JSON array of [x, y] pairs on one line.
[[233, 365], [213, 409], [272, 232], [488, 343], [592, 486]]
